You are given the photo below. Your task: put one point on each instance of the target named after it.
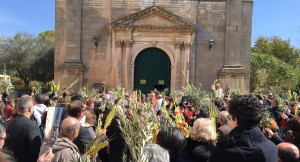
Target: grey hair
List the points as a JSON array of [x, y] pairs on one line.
[[68, 130], [24, 103], [155, 153], [224, 115], [203, 130]]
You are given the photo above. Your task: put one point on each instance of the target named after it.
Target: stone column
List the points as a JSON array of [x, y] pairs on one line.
[[233, 33], [178, 72], [127, 44], [117, 62], [130, 86], [186, 67]]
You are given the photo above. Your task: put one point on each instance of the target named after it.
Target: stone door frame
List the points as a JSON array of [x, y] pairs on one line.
[[161, 46], [133, 33]]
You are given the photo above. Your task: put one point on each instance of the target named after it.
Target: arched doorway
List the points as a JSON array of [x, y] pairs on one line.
[[152, 70]]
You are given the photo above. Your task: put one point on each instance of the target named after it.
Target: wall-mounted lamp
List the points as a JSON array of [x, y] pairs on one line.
[[211, 42], [95, 40]]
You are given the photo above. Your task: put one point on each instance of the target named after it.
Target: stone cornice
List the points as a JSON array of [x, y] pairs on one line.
[[127, 21], [73, 65], [232, 69]]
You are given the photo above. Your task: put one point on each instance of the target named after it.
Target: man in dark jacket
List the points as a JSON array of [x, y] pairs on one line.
[[24, 135], [246, 142]]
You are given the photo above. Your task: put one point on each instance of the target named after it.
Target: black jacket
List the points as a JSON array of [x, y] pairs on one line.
[[24, 139], [196, 151], [246, 143], [117, 145]]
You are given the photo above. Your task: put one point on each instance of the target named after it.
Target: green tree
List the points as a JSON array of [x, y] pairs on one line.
[[43, 68], [268, 70], [47, 35], [277, 47], [22, 53], [262, 45]]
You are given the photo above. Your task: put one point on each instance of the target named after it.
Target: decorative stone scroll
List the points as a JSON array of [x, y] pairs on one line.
[[122, 43], [177, 44], [128, 43], [187, 45], [119, 43]]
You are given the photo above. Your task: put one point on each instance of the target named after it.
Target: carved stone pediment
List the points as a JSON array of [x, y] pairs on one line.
[[153, 18]]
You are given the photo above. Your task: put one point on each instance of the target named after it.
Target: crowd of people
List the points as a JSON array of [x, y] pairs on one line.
[[237, 136]]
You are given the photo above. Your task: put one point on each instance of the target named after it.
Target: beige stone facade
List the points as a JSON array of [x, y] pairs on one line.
[[181, 28]]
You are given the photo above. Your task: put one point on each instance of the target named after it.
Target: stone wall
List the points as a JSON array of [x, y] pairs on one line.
[[227, 22]]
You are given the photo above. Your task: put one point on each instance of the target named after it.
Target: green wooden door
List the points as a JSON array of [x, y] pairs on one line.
[[152, 70]]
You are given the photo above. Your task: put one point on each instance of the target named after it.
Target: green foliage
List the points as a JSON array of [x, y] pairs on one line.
[[277, 47], [17, 83], [262, 45], [36, 87], [138, 121], [30, 56], [42, 69], [47, 35], [267, 70], [199, 97]]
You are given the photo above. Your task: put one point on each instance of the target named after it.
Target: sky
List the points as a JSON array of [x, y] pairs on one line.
[[270, 18]]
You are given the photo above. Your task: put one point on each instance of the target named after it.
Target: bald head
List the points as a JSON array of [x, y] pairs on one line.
[[288, 152], [223, 117], [70, 128]]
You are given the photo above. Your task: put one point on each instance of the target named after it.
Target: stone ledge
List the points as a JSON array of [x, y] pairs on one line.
[[73, 65], [232, 69]]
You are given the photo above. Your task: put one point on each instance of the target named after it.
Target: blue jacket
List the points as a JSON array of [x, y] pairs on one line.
[[246, 143]]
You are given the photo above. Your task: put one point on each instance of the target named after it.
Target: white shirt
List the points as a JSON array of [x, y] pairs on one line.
[[38, 111]]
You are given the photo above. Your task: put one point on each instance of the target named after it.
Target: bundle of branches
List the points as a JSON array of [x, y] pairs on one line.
[[141, 118], [119, 93], [265, 121], [181, 123], [86, 94], [137, 130], [77, 157], [199, 97], [55, 87], [98, 143]]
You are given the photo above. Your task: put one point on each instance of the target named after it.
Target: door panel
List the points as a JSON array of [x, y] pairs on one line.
[[152, 70]]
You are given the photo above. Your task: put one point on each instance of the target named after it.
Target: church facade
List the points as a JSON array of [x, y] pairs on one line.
[[147, 44]]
